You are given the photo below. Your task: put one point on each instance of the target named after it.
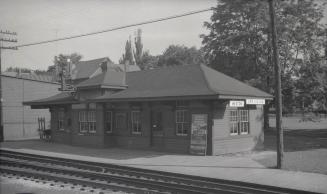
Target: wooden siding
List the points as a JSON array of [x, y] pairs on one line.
[[224, 143], [20, 122], [219, 139]]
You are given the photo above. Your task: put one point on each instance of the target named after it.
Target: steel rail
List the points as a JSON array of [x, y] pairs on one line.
[[154, 175], [137, 182], [76, 181]]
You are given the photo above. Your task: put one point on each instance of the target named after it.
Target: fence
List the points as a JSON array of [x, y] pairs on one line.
[[43, 132]]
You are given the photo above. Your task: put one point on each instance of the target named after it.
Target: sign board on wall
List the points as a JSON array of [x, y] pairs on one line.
[[236, 103], [255, 101], [199, 134]]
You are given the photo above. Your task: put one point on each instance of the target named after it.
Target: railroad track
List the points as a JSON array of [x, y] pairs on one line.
[[122, 178]]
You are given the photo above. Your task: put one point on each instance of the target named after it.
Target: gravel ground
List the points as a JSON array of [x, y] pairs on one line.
[[18, 185]]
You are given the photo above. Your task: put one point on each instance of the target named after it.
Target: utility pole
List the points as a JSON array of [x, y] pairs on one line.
[[2, 39], [278, 96]]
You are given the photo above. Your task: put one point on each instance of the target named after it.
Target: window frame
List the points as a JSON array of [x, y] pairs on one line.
[[92, 121], [233, 122], [87, 121], [82, 121], [239, 123], [183, 122], [138, 122]]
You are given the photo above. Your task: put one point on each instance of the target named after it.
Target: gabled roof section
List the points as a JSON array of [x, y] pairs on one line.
[[61, 98], [129, 68], [84, 69], [109, 79], [225, 85], [182, 81], [164, 82]]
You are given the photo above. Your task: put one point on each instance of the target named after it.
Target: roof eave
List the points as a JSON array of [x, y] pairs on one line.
[[49, 103], [101, 86], [155, 98], [232, 96]]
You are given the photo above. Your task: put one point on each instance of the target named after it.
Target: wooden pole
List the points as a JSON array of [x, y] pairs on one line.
[[278, 96], [8, 33]]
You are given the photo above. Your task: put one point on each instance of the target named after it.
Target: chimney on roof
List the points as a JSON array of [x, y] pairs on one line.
[[104, 66], [125, 66]]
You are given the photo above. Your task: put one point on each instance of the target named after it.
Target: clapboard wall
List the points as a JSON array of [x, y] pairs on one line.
[[224, 143], [20, 122]]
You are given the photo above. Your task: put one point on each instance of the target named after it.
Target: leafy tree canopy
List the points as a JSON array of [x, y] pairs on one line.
[[238, 43], [181, 55]]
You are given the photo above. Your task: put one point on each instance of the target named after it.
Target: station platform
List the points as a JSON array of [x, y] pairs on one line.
[[237, 167]]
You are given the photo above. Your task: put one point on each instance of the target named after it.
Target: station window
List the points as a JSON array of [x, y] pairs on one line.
[[181, 124], [91, 121], [87, 121], [136, 122], [108, 121], [83, 125], [61, 116], [239, 122]]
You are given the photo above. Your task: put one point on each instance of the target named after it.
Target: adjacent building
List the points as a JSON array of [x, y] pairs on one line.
[[20, 122], [186, 109]]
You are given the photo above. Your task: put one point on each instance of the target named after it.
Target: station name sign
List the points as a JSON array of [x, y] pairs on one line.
[[241, 103], [236, 103], [255, 101]]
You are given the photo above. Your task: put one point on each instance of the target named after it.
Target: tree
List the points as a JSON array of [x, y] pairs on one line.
[[128, 56], [312, 86], [238, 43], [181, 55], [138, 53], [148, 61], [18, 70], [61, 64]]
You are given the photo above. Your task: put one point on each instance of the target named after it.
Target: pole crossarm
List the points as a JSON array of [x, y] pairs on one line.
[[8, 32], [9, 47], [8, 40]]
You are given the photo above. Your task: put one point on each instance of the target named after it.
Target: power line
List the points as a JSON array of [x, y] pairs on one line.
[[117, 28]]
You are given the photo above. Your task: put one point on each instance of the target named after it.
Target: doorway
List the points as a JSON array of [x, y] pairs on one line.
[[157, 132]]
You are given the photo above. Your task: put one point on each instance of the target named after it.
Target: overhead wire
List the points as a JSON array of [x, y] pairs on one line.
[[116, 28]]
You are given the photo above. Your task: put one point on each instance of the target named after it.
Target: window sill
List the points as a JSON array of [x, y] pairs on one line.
[[239, 136], [136, 133], [108, 132], [182, 135]]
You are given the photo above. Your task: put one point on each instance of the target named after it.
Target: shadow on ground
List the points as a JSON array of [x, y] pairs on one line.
[[112, 153]]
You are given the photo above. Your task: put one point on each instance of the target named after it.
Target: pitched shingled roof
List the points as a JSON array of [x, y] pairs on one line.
[[181, 81], [61, 98], [107, 79], [84, 69], [194, 81]]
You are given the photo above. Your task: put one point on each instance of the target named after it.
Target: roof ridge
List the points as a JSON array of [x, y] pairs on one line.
[[206, 79], [95, 59], [164, 67]]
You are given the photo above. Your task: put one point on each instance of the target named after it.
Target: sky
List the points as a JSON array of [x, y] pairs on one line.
[[38, 20]]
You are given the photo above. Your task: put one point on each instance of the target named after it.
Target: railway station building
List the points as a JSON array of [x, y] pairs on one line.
[[185, 109]]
